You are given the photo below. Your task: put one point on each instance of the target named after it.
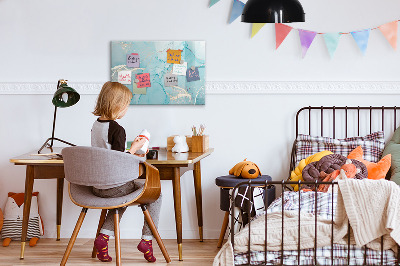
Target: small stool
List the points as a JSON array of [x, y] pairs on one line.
[[226, 183]]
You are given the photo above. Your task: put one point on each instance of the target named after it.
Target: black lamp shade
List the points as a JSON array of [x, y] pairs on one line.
[[273, 11], [65, 96]]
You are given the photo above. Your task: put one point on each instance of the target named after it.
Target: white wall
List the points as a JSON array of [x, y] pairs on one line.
[[42, 41]]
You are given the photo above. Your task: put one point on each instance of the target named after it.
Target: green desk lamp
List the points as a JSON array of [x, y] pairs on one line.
[[65, 96]]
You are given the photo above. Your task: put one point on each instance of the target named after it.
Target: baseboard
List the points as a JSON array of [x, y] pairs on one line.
[[231, 87]]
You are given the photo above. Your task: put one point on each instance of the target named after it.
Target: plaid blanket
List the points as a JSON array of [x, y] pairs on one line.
[[323, 205]]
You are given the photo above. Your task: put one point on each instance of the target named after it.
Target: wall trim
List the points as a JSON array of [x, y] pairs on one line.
[[232, 87]]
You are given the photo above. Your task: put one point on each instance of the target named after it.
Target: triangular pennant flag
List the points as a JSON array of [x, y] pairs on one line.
[[256, 27], [281, 31], [332, 41], [390, 32], [237, 9], [361, 37], [306, 39], [213, 2]]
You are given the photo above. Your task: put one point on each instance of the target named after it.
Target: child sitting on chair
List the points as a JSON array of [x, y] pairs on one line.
[[112, 103]]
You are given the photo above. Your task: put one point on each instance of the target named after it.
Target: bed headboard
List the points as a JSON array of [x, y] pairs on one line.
[[344, 121]]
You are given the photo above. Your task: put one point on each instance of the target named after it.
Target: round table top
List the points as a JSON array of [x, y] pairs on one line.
[[230, 181]]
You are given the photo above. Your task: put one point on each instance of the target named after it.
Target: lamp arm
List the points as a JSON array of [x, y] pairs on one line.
[[54, 126]]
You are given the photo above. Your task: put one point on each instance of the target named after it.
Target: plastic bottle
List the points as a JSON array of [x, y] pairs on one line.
[[144, 134]]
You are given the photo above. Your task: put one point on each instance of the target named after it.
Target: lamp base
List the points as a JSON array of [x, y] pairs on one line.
[[50, 146]]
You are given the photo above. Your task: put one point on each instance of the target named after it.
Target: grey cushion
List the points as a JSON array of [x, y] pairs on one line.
[[393, 148], [83, 196], [99, 167]]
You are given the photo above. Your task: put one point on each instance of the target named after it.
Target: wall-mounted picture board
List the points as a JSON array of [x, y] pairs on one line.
[[160, 72]]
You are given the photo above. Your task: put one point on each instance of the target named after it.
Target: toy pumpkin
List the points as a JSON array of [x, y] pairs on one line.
[[245, 169]]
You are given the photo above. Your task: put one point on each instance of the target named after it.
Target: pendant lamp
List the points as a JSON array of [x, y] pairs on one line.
[[272, 11], [64, 96]]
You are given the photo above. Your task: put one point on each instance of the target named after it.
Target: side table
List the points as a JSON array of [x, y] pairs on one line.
[[226, 183]]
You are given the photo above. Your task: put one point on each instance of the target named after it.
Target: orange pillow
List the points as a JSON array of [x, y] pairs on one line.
[[375, 170]]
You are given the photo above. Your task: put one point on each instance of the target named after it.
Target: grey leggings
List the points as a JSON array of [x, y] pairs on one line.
[[154, 208]]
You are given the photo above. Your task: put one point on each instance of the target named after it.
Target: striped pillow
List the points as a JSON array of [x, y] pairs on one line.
[[372, 145]]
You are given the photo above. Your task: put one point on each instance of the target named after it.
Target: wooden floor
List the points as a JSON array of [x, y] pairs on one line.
[[50, 252]]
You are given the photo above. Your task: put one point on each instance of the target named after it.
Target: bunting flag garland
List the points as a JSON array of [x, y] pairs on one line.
[[332, 41], [213, 2], [389, 30], [306, 39], [361, 37], [237, 9], [281, 31], [256, 27]]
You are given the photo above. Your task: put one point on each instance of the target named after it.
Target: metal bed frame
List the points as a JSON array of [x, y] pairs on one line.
[[283, 184]]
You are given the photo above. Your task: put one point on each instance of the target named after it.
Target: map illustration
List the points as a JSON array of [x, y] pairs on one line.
[[160, 72]]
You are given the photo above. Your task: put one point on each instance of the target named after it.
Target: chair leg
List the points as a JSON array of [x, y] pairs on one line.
[[223, 229], [154, 230], [73, 237], [101, 222], [117, 239]]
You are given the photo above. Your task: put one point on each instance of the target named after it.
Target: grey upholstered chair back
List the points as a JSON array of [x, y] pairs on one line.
[[91, 166]]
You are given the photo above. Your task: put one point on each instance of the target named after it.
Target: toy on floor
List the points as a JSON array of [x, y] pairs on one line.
[[245, 169], [13, 215]]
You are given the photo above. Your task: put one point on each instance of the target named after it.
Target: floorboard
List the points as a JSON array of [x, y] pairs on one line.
[[50, 252]]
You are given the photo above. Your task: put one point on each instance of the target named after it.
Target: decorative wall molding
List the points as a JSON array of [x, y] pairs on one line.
[[234, 87]]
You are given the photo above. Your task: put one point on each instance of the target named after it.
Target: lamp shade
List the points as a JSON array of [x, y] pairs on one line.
[[65, 96], [273, 11]]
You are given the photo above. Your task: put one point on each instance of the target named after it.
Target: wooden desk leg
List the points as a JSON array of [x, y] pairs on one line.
[[199, 204], [27, 206], [176, 183], [60, 191]]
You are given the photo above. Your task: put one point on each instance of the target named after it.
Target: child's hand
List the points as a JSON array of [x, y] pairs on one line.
[[143, 155], [137, 144]]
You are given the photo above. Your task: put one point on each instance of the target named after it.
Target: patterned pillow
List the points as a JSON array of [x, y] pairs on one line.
[[372, 144]]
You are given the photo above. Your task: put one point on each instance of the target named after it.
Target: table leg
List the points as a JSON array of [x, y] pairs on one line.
[[176, 183], [199, 204], [27, 206], [60, 190]]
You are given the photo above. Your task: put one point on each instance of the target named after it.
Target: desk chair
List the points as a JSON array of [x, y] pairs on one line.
[[85, 167]]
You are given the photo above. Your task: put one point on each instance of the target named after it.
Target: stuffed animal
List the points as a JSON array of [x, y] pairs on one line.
[[180, 144], [13, 215], [245, 169]]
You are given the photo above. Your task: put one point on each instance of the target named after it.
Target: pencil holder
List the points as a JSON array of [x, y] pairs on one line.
[[200, 143]]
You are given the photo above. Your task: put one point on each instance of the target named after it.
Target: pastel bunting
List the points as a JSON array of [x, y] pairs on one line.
[[361, 37], [256, 27], [332, 41], [389, 30], [281, 31], [306, 39], [213, 2], [237, 8]]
